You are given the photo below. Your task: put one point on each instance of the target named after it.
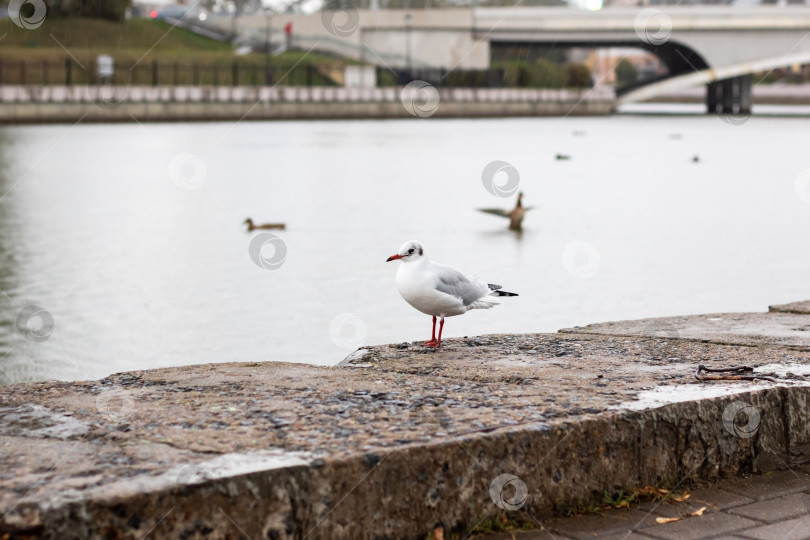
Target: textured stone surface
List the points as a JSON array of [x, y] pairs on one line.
[[396, 441]]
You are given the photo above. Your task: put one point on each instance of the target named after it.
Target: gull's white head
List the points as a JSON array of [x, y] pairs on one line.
[[410, 251]]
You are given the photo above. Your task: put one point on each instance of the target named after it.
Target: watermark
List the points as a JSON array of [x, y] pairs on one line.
[[508, 492], [741, 419], [581, 259], [420, 98], [653, 26], [187, 171], [35, 323], [735, 118], [802, 186], [193, 474], [339, 19], [108, 94], [28, 14], [116, 404], [267, 251], [348, 331], [497, 170]]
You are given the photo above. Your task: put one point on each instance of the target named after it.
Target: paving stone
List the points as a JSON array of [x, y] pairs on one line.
[[706, 526], [718, 499], [596, 525], [633, 535], [794, 529], [527, 535], [671, 509], [776, 484], [779, 509]]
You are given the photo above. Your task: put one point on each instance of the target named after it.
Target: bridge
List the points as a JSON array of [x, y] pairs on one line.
[[720, 47]]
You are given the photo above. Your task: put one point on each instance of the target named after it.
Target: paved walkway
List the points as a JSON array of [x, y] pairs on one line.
[[764, 507]]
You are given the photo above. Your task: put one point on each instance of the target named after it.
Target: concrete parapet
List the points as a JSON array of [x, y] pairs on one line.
[[28, 104], [399, 438]]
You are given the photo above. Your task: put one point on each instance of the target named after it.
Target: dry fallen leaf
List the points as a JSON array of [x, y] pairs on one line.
[[666, 520], [682, 497], [698, 512]]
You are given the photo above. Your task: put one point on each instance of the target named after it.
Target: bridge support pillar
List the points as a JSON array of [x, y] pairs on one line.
[[714, 95], [745, 94], [728, 89], [729, 96]]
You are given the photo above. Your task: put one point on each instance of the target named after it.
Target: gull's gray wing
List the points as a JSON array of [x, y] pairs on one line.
[[495, 211], [451, 281]]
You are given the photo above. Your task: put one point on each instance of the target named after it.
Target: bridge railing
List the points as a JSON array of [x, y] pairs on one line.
[[160, 73]]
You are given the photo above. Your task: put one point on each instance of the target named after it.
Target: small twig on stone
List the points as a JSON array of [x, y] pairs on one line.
[[734, 374]]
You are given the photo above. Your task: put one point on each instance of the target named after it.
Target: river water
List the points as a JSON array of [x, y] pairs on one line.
[[127, 239]]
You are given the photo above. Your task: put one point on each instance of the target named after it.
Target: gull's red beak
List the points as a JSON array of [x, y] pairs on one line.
[[393, 257]]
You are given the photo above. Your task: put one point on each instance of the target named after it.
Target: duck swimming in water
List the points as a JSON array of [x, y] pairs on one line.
[[251, 226], [515, 215]]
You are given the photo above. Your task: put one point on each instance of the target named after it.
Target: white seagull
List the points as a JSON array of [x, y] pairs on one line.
[[439, 290]]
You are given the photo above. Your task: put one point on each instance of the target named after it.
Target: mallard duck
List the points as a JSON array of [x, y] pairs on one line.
[[515, 215]]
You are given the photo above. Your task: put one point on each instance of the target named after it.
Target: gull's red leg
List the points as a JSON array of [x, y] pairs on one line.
[[433, 342], [441, 327]]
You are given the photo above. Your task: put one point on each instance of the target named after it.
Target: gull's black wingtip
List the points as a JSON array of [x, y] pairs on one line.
[[505, 293], [497, 292]]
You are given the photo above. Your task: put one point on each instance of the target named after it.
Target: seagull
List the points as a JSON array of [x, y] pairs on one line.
[[251, 226], [438, 290], [515, 215]]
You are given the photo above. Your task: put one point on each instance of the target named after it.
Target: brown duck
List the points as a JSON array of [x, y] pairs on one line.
[[251, 226], [515, 215]]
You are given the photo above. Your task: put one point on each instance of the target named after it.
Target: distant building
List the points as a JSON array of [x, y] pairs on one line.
[[603, 62]]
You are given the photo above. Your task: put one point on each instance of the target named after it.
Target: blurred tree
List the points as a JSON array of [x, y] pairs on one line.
[[577, 76], [547, 74], [626, 72]]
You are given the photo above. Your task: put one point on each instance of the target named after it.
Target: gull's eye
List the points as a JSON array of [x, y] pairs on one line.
[[410, 250]]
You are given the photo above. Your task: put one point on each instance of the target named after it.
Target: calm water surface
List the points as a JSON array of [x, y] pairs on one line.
[[139, 272]]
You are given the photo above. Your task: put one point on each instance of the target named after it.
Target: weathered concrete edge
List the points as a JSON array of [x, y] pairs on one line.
[[801, 308], [404, 492]]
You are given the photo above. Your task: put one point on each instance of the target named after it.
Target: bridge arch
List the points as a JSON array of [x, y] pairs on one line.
[[679, 58]]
